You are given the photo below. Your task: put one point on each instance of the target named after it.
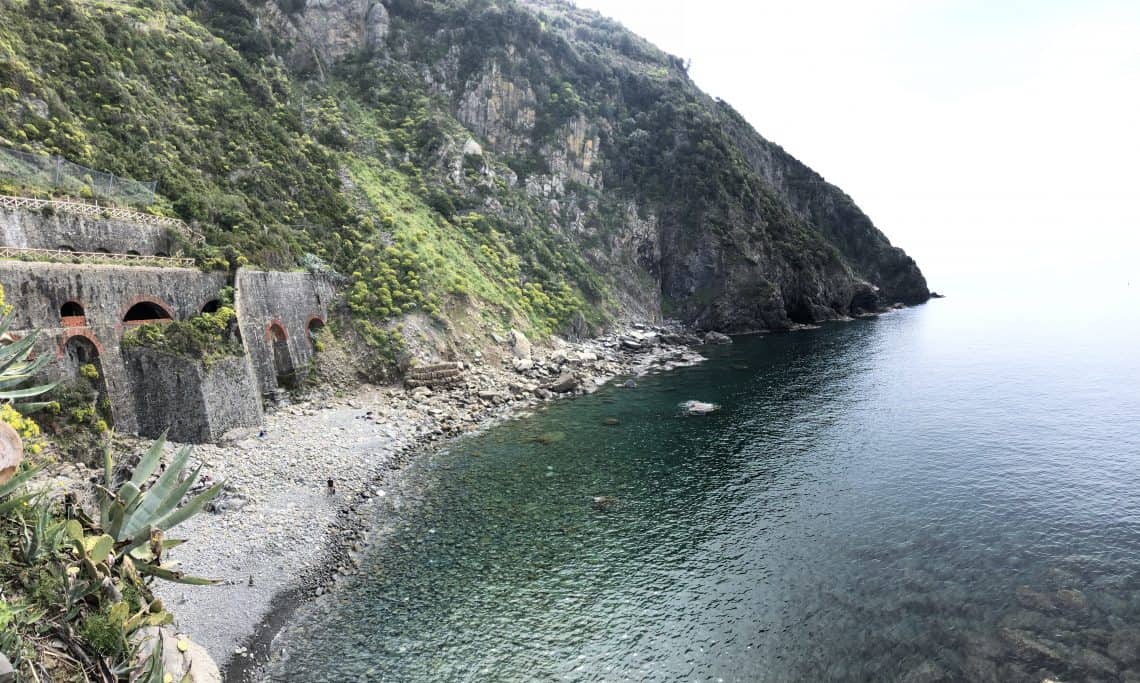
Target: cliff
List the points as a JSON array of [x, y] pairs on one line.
[[491, 163]]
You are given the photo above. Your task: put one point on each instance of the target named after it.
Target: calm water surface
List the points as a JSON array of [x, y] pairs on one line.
[[939, 494]]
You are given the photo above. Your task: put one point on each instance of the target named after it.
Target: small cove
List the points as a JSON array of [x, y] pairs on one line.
[[865, 505]]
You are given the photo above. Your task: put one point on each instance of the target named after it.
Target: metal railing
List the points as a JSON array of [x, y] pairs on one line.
[[106, 212], [25, 254], [44, 170]]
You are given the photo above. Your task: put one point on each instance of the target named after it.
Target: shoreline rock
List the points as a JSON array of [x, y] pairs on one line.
[[280, 538]]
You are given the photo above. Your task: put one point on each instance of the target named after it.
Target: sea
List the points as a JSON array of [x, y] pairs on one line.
[[946, 492]]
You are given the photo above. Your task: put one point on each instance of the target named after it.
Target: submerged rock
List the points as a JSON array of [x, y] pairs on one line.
[[604, 503], [1027, 648], [699, 407]]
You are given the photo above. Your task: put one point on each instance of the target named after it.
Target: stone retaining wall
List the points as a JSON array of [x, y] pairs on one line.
[[30, 230], [197, 403], [276, 311]]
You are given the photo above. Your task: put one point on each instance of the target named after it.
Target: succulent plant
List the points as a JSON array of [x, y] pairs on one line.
[[136, 513]]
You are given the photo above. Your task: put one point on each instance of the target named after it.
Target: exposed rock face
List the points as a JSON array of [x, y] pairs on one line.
[[830, 211], [499, 111], [326, 31], [675, 200]]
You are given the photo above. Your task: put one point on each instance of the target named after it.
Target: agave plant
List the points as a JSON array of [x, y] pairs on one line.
[[16, 368], [137, 515]]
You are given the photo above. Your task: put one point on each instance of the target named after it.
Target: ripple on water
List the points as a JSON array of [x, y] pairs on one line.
[[870, 502]]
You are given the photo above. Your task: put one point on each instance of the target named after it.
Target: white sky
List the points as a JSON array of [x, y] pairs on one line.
[[983, 136]]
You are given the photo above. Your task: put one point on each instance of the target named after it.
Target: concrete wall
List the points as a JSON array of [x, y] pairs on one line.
[[32, 230], [37, 291], [290, 302], [195, 402]]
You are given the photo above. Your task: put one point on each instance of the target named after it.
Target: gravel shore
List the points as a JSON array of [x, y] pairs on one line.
[[279, 535]]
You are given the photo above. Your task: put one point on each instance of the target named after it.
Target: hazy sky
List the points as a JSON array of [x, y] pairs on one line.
[[981, 135]]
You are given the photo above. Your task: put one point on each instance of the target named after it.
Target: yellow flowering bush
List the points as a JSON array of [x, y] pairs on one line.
[[25, 426]]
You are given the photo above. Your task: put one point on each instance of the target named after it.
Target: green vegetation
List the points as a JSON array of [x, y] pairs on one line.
[[286, 159], [83, 582], [207, 337], [78, 420], [75, 589]]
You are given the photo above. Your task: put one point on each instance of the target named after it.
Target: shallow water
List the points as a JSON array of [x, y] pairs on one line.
[[937, 494]]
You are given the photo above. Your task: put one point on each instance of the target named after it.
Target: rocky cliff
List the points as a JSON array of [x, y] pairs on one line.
[[491, 163]]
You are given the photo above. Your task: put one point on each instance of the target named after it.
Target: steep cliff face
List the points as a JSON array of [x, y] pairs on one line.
[[743, 236], [486, 163]]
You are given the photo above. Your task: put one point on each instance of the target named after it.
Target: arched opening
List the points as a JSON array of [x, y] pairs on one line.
[[65, 247], [163, 254], [146, 312], [71, 315], [316, 326], [132, 252], [81, 362], [282, 360], [212, 306], [101, 250]]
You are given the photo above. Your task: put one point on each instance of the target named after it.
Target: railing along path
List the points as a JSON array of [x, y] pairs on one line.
[[65, 254]]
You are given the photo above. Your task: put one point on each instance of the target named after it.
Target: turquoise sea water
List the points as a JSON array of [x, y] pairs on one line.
[[950, 492]]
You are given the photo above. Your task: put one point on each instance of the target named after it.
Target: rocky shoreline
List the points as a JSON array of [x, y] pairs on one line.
[[281, 535]]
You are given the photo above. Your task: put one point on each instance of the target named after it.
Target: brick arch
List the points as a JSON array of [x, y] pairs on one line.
[[73, 320], [311, 318], [86, 334], [145, 298], [270, 335]]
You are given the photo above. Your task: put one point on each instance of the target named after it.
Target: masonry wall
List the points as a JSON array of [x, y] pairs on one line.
[[31, 230], [190, 401], [150, 392], [290, 301], [37, 291]]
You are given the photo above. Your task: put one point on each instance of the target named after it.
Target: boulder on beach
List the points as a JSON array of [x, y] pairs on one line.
[[11, 452], [698, 407], [520, 345], [564, 383], [712, 337], [182, 658]]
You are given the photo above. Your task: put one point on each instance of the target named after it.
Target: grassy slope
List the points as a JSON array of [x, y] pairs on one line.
[[149, 90]]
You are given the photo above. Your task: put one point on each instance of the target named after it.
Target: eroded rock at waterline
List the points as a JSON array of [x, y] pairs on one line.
[[699, 407], [564, 383], [712, 337]]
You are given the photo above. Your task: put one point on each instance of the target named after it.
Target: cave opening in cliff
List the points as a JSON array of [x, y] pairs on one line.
[[212, 306], [801, 313], [146, 312]]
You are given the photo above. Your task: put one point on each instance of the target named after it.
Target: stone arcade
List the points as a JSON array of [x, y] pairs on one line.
[[82, 311]]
